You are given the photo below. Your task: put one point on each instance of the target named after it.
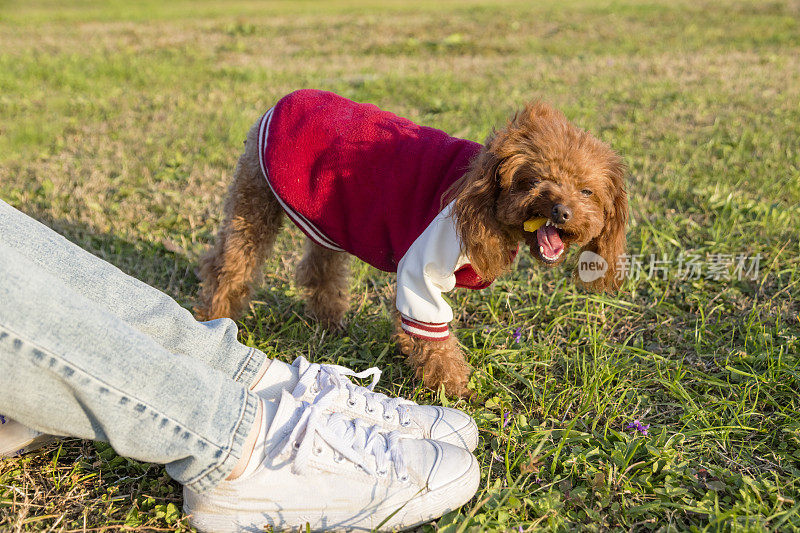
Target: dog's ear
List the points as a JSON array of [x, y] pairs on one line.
[[610, 244], [475, 209]]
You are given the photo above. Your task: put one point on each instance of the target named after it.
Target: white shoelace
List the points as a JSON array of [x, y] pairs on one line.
[[350, 439], [324, 380]]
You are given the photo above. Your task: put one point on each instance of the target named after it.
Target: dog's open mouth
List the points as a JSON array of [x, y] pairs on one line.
[[549, 240], [550, 244]]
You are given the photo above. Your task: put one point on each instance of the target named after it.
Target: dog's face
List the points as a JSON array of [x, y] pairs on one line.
[[540, 166]]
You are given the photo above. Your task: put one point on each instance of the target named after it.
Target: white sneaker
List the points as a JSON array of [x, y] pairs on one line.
[[16, 439], [332, 472], [393, 414]]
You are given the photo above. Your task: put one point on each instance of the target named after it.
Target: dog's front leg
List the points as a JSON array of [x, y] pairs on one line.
[[436, 362], [325, 276]]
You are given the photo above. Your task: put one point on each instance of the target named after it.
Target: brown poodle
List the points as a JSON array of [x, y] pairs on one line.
[[539, 166]]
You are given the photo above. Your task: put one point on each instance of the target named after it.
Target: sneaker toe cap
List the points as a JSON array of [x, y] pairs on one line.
[[439, 464], [449, 425]]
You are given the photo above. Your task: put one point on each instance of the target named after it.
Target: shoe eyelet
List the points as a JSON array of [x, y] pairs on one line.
[[337, 458], [351, 402], [387, 417], [317, 451], [405, 423], [403, 478], [370, 410], [382, 473], [296, 445]]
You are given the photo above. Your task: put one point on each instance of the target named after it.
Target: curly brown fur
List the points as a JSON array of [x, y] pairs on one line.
[[324, 274], [537, 162], [540, 160], [252, 220], [437, 363]]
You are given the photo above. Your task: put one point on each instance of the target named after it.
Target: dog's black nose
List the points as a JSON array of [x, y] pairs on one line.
[[560, 213]]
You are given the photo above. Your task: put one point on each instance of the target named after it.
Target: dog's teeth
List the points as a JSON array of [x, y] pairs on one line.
[[541, 250]]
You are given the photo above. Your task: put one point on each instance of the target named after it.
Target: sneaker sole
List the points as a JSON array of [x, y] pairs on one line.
[[417, 511]]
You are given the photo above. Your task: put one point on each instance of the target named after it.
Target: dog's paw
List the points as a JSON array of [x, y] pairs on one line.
[[328, 309], [329, 323], [437, 363], [453, 374]]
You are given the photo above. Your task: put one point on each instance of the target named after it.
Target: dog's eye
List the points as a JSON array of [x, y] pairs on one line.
[[586, 192], [525, 183]]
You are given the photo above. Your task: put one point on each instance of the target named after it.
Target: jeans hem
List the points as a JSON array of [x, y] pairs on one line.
[[250, 367], [210, 478]]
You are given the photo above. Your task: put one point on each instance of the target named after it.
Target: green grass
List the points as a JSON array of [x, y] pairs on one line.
[[120, 124]]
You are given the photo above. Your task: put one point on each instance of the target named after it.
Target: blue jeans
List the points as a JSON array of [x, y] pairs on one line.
[[88, 351]]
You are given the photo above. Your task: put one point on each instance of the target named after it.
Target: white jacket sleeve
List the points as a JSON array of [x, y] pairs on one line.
[[425, 272]]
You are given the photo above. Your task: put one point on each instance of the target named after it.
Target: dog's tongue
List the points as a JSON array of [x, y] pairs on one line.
[[550, 241]]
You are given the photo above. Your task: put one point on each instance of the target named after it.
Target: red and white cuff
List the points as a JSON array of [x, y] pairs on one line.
[[425, 330]]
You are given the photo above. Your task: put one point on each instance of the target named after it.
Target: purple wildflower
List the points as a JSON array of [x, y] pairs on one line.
[[638, 426], [487, 330], [517, 335], [506, 418], [520, 529], [2, 419]]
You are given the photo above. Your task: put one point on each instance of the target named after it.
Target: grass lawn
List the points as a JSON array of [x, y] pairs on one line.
[[120, 123]]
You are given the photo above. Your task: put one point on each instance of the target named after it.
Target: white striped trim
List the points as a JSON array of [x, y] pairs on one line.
[[301, 221], [424, 330]]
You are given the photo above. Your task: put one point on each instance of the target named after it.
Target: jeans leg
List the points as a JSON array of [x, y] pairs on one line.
[[143, 307], [70, 367]]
